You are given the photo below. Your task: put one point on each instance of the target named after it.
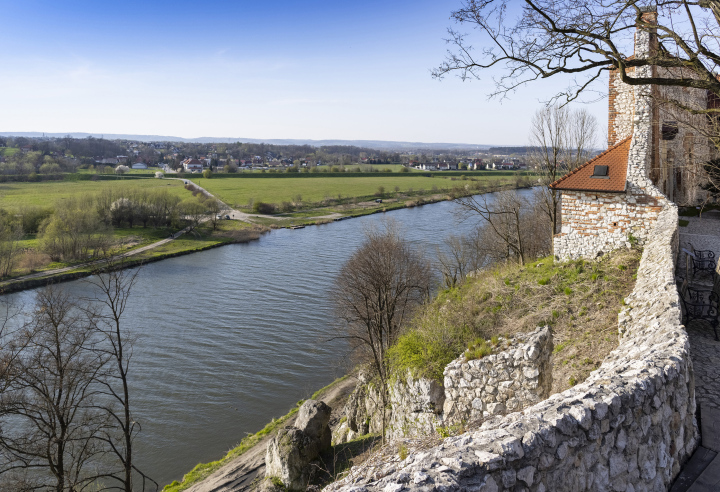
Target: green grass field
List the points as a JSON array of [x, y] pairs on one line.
[[240, 191], [14, 196], [8, 151]]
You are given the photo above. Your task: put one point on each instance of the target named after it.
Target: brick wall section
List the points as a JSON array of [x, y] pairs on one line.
[[596, 223]]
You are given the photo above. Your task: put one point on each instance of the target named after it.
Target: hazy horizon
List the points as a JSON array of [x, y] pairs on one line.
[[319, 70]]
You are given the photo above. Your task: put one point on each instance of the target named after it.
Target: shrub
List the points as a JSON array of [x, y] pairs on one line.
[[264, 208], [403, 452], [478, 349]]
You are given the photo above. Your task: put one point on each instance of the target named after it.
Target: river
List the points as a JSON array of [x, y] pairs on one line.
[[234, 336]]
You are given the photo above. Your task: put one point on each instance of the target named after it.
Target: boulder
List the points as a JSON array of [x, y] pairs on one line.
[[291, 451], [313, 418]]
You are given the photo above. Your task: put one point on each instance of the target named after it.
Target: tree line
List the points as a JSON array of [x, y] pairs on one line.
[[36, 165]]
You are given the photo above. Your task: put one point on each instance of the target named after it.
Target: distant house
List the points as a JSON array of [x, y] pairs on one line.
[[139, 165], [191, 165], [477, 165], [26, 148], [110, 161], [429, 166]]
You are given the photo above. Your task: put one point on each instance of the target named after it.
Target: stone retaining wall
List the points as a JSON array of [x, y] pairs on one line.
[[629, 427], [517, 377]]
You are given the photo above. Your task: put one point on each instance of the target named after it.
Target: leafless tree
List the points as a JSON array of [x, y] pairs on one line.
[[375, 293], [510, 221], [47, 413], [112, 291], [562, 140], [10, 236], [583, 41], [462, 255]]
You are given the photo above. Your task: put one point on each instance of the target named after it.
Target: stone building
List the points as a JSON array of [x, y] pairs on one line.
[[655, 155]]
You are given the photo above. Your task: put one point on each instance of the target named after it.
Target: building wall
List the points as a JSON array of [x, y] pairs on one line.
[[621, 100], [596, 223], [674, 166]]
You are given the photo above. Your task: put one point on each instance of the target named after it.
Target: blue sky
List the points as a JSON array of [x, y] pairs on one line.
[[315, 69]]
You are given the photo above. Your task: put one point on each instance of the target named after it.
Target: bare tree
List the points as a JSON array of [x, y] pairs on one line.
[[47, 413], [583, 41], [10, 236], [113, 288], [375, 293], [562, 140], [462, 255]]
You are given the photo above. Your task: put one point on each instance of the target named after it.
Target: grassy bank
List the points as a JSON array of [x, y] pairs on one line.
[[578, 299], [204, 470], [227, 232]]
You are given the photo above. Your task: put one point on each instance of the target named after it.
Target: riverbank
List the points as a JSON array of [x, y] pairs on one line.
[[327, 214], [251, 230], [242, 464], [227, 232]]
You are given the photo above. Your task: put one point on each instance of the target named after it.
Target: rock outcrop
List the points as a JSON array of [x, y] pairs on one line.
[[290, 453]]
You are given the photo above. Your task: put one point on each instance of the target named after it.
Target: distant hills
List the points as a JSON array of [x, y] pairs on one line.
[[385, 145]]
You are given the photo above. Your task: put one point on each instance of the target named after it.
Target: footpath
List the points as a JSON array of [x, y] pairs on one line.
[[702, 472]]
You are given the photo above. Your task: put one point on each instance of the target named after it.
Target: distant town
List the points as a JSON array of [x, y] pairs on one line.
[[47, 155]]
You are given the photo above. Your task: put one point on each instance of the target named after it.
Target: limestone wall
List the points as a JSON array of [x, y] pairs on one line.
[[517, 377], [629, 427], [621, 99], [596, 223]]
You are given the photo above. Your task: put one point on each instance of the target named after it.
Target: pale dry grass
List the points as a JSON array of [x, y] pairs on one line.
[[579, 300]]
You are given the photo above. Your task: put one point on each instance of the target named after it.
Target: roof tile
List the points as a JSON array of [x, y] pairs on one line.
[[616, 158]]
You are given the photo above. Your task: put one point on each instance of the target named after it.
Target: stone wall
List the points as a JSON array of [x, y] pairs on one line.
[[517, 377], [629, 427], [514, 378], [595, 223], [621, 99], [417, 406]]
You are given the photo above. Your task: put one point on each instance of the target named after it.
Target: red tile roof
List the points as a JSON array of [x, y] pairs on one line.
[[615, 158]]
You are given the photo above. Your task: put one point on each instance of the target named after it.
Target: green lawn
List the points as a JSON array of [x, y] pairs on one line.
[[239, 191], [46, 193], [8, 151]]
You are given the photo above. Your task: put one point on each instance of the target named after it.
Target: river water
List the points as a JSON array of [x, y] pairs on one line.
[[234, 336]]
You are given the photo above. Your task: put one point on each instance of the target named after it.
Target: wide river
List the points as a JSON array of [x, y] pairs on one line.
[[234, 336]]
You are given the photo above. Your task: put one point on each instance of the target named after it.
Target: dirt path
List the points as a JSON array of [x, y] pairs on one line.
[[237, 475]]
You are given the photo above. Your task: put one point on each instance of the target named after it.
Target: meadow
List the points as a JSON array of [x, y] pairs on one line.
[[44, 194], [239, 192]]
